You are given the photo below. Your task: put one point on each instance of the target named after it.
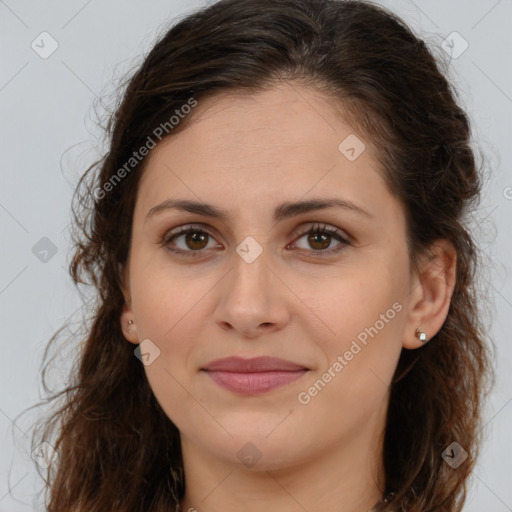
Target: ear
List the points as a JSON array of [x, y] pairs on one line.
[[127, 319], [431, 292]]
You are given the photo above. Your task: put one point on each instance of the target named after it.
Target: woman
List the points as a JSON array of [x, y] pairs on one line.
[[286, 312]]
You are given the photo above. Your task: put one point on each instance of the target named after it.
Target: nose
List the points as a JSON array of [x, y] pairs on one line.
[[253, 299]]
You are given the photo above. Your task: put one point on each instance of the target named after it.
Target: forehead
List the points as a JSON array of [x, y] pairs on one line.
[[284, 122], [282, 143]]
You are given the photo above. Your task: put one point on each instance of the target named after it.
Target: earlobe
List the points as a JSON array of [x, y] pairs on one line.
[[128, 326], [430, 295], [422, 336]]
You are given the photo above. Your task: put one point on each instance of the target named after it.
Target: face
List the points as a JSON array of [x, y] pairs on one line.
[[326, 289]]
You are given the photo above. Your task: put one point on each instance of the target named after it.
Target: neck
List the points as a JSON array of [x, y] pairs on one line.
[[349, 475]]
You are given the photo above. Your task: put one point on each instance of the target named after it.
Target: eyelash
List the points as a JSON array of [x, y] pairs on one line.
[[315, 229]]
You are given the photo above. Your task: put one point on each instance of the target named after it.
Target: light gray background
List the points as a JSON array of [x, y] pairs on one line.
[[48, 138]]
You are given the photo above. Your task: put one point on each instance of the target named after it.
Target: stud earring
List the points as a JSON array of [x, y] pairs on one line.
[[422, 336], [130, 322]]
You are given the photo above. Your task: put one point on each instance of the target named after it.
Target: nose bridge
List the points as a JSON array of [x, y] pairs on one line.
[[251, 268], [253, 261], [250, 293]]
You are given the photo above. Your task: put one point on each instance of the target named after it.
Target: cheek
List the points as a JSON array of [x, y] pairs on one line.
[[167, 312], [360, 361], [165, 302], [365, 304], [365, 313], [168, 382]]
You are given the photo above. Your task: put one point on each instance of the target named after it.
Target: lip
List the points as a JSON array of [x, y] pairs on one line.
[[253, 365], [253, 376]]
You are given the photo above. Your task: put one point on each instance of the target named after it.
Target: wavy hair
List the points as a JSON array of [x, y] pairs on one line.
[[116, 448]]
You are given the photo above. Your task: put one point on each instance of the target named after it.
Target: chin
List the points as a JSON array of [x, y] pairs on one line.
[[256, 451]]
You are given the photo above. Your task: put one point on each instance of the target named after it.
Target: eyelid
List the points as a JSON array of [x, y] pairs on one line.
[[319, 227], [342, 237], [300, 231], [184, 229]]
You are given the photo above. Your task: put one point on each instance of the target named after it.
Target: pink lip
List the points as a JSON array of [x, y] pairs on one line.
[[253, 376]]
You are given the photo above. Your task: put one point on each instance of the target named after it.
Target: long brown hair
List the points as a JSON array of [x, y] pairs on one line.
[[116, 448]]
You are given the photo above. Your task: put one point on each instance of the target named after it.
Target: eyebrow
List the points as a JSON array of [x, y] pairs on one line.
[[283, 211]]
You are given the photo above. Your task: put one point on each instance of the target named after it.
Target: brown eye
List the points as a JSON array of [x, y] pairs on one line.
[[319, 239], [188, 241], [196, 240]]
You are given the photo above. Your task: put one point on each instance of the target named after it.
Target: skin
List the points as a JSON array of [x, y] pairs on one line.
[[247, 154]]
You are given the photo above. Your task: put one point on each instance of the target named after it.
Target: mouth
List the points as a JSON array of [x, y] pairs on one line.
[[253, 376]]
